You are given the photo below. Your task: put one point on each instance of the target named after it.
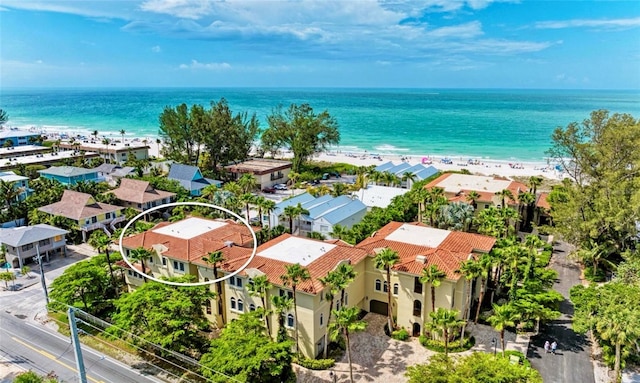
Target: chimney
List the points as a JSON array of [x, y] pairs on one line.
[[422, 259]]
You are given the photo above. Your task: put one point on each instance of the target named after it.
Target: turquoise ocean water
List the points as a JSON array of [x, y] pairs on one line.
[[490, 124]]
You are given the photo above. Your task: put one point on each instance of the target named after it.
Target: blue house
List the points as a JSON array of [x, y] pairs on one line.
[[21, 184], [70, 175], [419, 171], [17, 137], [190, 178]]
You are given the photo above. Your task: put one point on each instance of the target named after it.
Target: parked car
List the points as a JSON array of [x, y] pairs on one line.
[[269, 190], [280, 187]]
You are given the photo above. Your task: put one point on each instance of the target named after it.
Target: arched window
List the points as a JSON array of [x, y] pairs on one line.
[[395, 289], [290, 320], [417, 308], [321, 319], [386, 286], [233, 303], [240, 305], [378, 285], [252, 307]]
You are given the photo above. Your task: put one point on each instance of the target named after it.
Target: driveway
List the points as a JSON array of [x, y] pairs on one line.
[[572, 362]]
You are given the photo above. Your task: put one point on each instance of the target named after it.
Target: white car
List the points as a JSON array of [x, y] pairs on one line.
[[280, 187]]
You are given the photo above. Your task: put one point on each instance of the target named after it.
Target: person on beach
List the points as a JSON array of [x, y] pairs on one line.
[[546, 347], [554, 345]]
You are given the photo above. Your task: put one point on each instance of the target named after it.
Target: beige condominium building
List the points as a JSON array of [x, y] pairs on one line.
[[180, 248]]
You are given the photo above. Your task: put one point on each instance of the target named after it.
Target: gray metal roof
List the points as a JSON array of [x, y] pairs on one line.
[[67, 171], [24, 235], [345, 211], [11, 177], [384, 167], [293, 201], [425, 173], [184, 172]]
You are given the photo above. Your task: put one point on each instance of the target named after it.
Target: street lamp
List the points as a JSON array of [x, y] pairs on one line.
[[494, 343]]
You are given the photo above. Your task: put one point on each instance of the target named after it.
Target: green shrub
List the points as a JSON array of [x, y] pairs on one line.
[[401, 334], [314, 364], [454, 346], [600, 275], [544, 258]]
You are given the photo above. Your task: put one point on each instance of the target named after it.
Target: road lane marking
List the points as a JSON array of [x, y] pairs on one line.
[[48, 355]]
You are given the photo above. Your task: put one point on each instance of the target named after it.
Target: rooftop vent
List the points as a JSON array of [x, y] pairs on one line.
[[228, 243], [422, 259]]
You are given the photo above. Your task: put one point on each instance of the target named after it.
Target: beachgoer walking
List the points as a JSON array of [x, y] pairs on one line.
[[554, 345], [547, 345]]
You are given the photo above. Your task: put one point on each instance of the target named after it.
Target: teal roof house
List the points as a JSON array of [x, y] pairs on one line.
[[190, 178], [20, 183], [70, 175]]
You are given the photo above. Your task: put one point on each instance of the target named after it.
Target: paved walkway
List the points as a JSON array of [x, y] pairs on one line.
[[572, 362]]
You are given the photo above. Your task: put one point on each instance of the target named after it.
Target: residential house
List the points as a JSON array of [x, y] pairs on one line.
[[23, 243], [113, 172], [458, 186], [378, 196], [140, 195], [179, 249], [86, 212], [266, 172], [190, 177], [70, 175], [419, 247], [21, 184], [324, 212], [115, 152], [418, 172], [17, 137]]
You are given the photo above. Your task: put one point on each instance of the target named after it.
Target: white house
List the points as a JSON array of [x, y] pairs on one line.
[[23, 243]]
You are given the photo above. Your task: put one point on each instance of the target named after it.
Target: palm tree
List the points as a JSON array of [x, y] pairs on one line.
[[443, 321], [456, 216], [470, 269], [433, 276], [295, 274], [106, 142], [8, 192], [532, 242], [329, 281], [525, 199], [215, 258], [384, 260], [158, 142], [534, 182], [247, 199], [408, 176], [122, 133], [209, 191], [101, 242], [620, 327], [140, 254], [247, 183], [339, 189], [504, 195], [268, 206], [95, 134], [485, 262], [339, 232], [289, 213], [259, 287], [473, 198], [419, 197], [281, 304], [347, 322], [503, 316], [300, 211]]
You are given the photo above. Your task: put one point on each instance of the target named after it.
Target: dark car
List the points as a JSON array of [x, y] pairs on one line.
[[269, 190]]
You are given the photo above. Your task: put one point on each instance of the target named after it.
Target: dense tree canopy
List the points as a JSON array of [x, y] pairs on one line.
[[202, 136], [301, 130], [478, 367], [243, 351], [166, 315], [599, 202], [84, 284]]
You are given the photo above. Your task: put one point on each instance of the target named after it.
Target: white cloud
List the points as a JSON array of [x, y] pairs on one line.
[[39, 61], [468, 30], [94, 9], [195, 64], [156, 49], [590, 23]]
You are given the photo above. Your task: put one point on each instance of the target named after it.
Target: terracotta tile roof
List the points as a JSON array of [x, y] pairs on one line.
[[193, 249], [138, 191], [543, 201], [448, 256], [319, 268], [76, 205], [484, 196]]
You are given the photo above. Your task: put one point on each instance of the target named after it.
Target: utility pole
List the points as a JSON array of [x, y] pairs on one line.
[[38, 259], [82, 375]]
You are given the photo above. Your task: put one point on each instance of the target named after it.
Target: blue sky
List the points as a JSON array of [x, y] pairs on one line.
[[307, 43]]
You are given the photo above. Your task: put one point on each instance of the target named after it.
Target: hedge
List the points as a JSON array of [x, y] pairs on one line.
[[401, 334], [314, 364], [454, 346]]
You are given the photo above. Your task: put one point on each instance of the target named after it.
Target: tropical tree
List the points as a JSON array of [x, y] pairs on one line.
[[247, 183], [503, 316], [525, 199], [259, 287], [505, 196], [215, 258], [122, 133], [267, 206], [339, 232], [101, 242], [434, 277], [456, 216], [409, 178], [485, 262], [329, 282], [85, 282], [290, 212], [384, 260], [301, 130], [247, 199], [473, 198], [7, 276], [95, 134], [141, 254], [9, 192], [299, 212], [419, 197], [295, 274], [281, 305], [347, 322], [444, 321], [470, 270]]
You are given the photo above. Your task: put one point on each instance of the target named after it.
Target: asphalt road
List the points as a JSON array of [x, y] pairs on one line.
[[37, 348], [572, 361]]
